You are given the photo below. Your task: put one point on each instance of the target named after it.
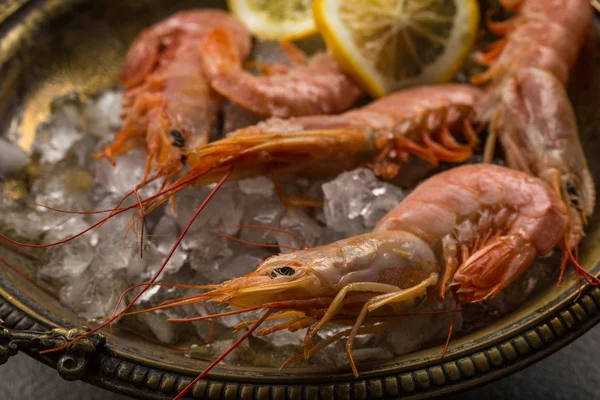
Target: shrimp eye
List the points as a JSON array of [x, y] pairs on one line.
[[573, 195], [287, 271], [178, 138], [571, 189]]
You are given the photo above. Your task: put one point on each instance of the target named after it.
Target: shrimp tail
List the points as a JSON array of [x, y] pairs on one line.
[[221, 53], [224, 70], [140, 61]]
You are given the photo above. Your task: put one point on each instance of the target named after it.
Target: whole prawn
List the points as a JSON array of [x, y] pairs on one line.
[[472, 230], [527, 106], [316, 86], [423, 121], [170, 106], [544, 34]]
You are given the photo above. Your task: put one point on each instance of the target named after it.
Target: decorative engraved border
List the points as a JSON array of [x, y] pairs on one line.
[[116, 372], [442, 378]]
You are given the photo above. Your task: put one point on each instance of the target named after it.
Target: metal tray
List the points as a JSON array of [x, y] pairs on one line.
[[49, 48]]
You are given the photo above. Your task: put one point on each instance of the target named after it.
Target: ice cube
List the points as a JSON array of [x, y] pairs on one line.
[[285, 337], [260, 186], [222, 213], [94, 294], [165, 332], [117, 250], [154, 259], [413, 332], [64, 187], [55, 136], [236, 117], [238, 266], [261, 212], [66, 262], [303, 226], [103, 114], [125, 175], [81, 152], [163, 238], [386, 198], [206, 249], [69, 260], [356, 200], [345, 199]]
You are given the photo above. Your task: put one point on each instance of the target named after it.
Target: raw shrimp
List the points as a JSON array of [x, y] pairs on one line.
[[315, 87], [536, 125], [545, 34], [527, 106], [472, 230], [423, 121], [170, 107]]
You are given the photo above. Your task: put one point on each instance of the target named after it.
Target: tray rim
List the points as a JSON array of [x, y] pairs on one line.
[[130, 374]]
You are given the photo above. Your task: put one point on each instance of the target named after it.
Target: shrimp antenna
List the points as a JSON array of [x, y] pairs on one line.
[[222, 356], [590, 278], [214, 316], [18, 250], [116, 211], [26, 277], [451, 328], [157, 274]]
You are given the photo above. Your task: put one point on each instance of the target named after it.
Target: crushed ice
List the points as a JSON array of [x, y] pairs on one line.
[[94, 269]]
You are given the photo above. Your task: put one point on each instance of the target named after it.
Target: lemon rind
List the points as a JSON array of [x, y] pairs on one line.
[[341, 44], [265, 29]]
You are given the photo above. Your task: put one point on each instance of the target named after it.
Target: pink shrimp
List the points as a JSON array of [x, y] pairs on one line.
[[545, 34], [170, 106], [471, 230], [423, 121], [527, 106], [536, 126], [316, 87]]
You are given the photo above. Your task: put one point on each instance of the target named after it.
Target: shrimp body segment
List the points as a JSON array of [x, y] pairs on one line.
[[170, 106], [536, 125], [545, 34], [423, 121], [315, 87], [527, 106], [474, 229]]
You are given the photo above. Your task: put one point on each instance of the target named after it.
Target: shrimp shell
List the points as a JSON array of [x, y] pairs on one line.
[[545, 34]]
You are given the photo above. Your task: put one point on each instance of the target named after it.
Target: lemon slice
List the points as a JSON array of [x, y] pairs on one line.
[[390, 44], [276, 19]]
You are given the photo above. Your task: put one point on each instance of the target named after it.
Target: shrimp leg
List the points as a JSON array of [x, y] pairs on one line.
[[371, 329], [338, 303], [292, 325], [283, 315], [376, 302]]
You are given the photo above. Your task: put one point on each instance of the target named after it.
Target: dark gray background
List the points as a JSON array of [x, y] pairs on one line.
[[571, 374]]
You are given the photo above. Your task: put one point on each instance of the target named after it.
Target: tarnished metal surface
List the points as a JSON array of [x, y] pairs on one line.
[[56, 47]]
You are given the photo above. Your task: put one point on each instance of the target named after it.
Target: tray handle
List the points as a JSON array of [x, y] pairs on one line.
[[73, 361]]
